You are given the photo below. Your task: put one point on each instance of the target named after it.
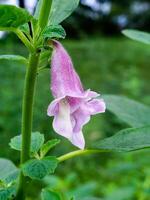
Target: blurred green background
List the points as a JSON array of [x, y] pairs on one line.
[[108, 65]]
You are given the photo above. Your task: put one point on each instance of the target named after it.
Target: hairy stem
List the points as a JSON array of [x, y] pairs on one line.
[[78, 153], [29, 90], [27, 112]]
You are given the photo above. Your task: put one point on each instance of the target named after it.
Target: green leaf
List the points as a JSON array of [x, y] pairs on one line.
[[38, 7], [8, 171], [54, 31], [47, 194], [25, 28], [7, 193], [44, 60], [14, 58], [13, 17], [139, 36], [47, 146], [130, 139], [37, 140], [61, 10], [133, 113], [38, 169]]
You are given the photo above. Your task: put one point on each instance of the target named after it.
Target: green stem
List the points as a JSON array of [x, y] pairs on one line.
[[23, 38], [44, 13], [27, 115], [78, 153], [28, 98]]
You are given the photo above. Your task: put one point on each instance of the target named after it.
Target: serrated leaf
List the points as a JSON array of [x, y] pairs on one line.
[[37, 140], [47, 194], [38, 169], [130, 139], [61, 10], [14, 58], [133, 113], [13, 17], [47, 146], [139, 36], [8, 171], [54, 31], [7, 193]]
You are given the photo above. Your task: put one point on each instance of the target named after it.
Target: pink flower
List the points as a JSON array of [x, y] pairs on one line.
[[72, 106]]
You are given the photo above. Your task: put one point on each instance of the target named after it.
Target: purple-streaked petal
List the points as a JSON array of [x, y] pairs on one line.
[[81, 117], [74, 103], [62, 123], [72, 106], [78, 140], [96, 106], [65, 81], [54, 107]]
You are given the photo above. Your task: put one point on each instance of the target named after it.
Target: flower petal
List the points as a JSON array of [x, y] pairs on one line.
[[62, 123], [81, 117], [64, 80], [92, 94], [96, 106], [53, 107], [78, 140]]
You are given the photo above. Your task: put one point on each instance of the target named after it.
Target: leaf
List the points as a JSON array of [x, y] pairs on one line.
[[14, 58], [60, 10], [37, 140], [139, 36], [54, 31], [7, 193], [47, 194], [13, 17], [45, 59], [48, 145], [25, 28], [8, 171], [38, 169], [133, 113], [38, 7], [130, 139]]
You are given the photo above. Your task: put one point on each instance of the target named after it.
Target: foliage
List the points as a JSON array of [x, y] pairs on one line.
[[36, 35], [129, 82], [13, 17], [38, 169], [138, 36], [59, 12], [37, 140]]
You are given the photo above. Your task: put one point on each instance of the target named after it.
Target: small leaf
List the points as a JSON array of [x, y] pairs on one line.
[[133, 113], [48, 145], [130, 139], [60, 11], [44, 59], [25, 28], [8, 171], [14, 58], [7, 193], [54, 31], [37, 140], [139, 36], [47, 194], [38, 169], [13, 17]]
